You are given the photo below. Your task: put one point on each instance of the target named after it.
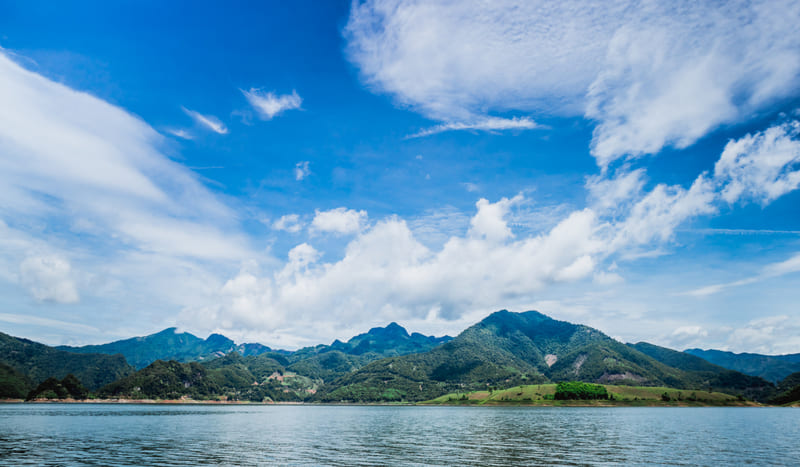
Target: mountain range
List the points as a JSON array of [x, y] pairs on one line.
[[383, 364], [770, 367]]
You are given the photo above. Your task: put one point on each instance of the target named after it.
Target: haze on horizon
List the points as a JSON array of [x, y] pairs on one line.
[[290, 174]]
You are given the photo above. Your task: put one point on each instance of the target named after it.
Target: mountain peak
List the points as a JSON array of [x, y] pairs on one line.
[[392, 330]]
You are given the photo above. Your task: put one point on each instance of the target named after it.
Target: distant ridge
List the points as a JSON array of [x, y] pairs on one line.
[[170, 345], [770, 367]]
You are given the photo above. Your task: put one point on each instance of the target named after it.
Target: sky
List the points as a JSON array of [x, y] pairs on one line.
[[291, 173]]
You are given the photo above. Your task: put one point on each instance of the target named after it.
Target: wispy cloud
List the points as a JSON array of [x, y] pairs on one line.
[[269, 104], [633, 67], [208, 121], [153, 225], [491, 124], [770, 271], [179, 133]]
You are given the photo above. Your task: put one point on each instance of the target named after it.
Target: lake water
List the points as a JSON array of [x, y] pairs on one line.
[[100, 434]]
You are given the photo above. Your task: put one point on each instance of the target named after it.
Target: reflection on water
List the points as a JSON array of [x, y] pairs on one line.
[[60, 434]]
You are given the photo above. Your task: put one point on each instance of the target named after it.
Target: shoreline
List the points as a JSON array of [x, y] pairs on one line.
[[565, 404]]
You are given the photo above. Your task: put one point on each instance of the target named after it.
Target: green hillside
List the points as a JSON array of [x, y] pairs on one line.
[[618, 395], [507, 349], [788, 390], [39, 362], [701, 373], [13, 384], [255, 378]]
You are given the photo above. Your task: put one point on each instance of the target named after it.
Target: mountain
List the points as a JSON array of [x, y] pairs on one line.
[[770, 367], [506, 349], [269, 375], [390, 341], [705, 374], [38, 362], [327, 362], [170, 345]]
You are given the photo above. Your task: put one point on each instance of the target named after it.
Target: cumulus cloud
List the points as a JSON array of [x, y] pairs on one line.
[[208, 121], [340, 221], [49, 279], [651, 74], [761, 167], [268, 104], [301, 170], [489, 222], [289, 223]]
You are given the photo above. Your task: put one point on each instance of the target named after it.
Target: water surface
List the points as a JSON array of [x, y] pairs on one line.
[[100, 434]]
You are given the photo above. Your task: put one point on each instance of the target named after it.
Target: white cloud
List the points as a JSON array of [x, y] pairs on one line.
[[289, 223], [485, 262], [655, 217], [180, 133], [301, 170], [339, 220], [761, 167], [769, 335], [490, 221], [76, 171], [49, 279], [268, 105], [208, 121], [651, 74], [613, 195], [491, 124]]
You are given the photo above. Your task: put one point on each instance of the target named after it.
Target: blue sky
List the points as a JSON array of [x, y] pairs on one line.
[[294, 172]]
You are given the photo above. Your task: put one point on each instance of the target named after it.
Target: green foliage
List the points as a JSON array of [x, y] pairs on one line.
[[165, 380], [790, 390], [329, 365], [575, 390], [52, 388], [39, 362], [789, 382], [13, 384]]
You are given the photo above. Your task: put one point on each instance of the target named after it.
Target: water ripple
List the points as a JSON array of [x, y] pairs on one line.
[[75, 434]]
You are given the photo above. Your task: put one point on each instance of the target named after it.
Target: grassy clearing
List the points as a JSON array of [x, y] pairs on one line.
[[542, 395]]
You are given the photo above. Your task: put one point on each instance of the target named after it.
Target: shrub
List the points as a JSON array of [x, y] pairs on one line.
[[575, 390]]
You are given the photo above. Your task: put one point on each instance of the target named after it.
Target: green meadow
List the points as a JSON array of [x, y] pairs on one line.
[[543, 395]]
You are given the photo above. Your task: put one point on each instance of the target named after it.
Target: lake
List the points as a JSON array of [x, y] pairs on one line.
[[109, 434]]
